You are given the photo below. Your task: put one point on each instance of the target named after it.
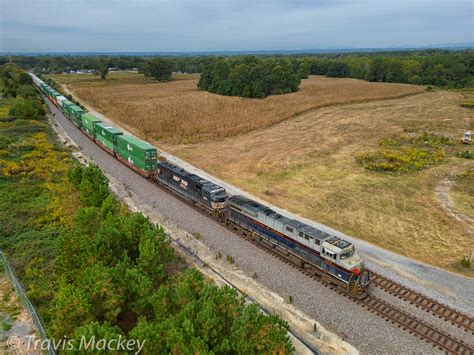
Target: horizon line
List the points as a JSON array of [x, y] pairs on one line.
[[466, 45]]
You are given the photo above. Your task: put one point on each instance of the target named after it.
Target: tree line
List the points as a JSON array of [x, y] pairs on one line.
[[54, 64], [443, 68], [438, 68]]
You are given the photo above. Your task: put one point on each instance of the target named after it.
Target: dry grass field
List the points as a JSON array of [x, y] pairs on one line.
[[307, 163], [177, 112]]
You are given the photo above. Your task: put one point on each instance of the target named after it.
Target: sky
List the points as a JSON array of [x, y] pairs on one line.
[[230, 25]]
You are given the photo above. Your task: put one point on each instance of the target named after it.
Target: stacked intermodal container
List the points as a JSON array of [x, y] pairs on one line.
[[59, 100], [75, 113], [54, 96], [88, 121], [47, 90], [65, 104], [43, 86], [106, 135], [140, 155], [67, 108]]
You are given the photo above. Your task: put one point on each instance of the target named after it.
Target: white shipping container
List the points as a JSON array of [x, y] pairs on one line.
[[60, 100]]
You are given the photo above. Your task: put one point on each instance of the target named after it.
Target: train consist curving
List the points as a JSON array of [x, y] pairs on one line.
[[332, 258]]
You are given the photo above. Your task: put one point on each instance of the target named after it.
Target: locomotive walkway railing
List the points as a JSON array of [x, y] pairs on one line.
[[26, 302]]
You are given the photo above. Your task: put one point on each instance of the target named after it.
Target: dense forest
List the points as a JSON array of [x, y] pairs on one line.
[[249, 76], [91, 267], [438, 67]]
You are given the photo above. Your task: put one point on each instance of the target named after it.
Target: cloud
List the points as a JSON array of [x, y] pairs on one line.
[[185, 25]]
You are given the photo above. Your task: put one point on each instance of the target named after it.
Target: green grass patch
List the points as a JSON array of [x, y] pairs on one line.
[[5, 325], [406, 154], [467, 104], [462, 193], [466, 154]]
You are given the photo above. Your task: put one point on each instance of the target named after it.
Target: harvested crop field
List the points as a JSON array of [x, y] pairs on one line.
[[307, 164], [177, 112]]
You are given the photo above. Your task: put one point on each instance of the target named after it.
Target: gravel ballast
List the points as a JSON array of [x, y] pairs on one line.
[[367, 331]]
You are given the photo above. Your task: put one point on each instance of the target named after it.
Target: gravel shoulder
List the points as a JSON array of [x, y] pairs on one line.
[[366, 331], [16, 327]]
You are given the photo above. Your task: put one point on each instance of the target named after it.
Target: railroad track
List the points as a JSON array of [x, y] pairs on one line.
[[443, 341], [436, 337], [413, 325], [418, 300]]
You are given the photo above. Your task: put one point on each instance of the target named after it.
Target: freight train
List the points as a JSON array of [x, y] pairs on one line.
[[332, 258]]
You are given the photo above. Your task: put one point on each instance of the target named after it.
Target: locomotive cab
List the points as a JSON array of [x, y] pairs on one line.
[[217, 196], [343, 253]]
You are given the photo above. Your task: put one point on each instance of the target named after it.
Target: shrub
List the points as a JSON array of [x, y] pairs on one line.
[[92, 184], [404, 154], [26, 91], [465, 262], [467, 104], [466, 154], [27, 109]]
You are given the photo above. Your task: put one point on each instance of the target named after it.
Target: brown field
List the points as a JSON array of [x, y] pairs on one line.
[[306, 164], [177, 112]]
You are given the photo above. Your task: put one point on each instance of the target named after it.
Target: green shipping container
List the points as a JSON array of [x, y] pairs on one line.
[[137, 152], [75, 113], [54, 93], [88, 120], [44, 87], [106, 134], [66, 103], [47, 90]]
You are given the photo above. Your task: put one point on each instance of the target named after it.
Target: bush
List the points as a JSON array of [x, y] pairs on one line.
[[465, 262], [467, 104], [404, 154], [92, 184], [26, 91], [24, 79], [27, 109], [466, 154]]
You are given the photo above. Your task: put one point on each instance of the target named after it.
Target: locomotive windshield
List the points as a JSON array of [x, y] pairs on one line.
[[347, 253], [218, 195]]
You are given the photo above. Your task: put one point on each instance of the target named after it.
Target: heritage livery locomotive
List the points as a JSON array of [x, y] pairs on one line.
[[331, 257]]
